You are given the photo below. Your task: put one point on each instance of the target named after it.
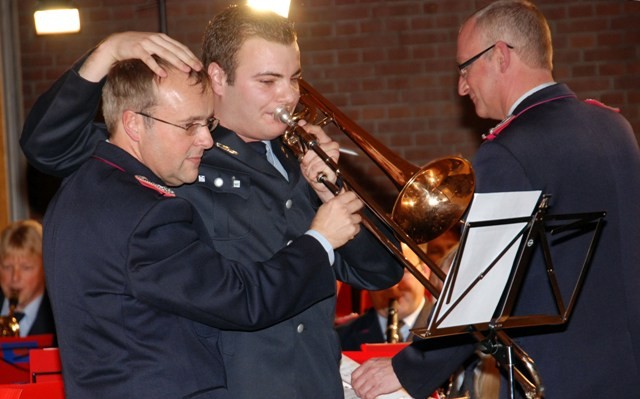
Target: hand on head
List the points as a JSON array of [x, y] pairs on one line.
[[138, 45]]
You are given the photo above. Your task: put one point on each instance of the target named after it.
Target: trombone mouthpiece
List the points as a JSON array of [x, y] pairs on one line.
[[281, 114]]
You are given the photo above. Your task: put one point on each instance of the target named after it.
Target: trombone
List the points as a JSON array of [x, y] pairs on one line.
[[431, 200]]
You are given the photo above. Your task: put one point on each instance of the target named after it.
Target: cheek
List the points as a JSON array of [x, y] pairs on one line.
[[35, 275], [244, 96], [163, 155]]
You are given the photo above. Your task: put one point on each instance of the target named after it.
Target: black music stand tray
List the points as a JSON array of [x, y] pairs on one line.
[[471, 303]]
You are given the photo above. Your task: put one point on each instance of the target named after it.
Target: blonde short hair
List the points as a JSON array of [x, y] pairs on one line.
[[23, 236]]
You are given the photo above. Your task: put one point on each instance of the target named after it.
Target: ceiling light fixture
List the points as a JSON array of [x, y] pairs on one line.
[[56, 16], [278, 6]]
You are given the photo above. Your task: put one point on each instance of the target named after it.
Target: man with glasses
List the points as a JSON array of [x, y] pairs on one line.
[[583, 154], [138, 292]]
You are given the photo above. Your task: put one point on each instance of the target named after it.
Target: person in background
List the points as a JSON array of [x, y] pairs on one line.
[[22, 275], [586, 156], [414, 302], [250, 207], [412, 305]]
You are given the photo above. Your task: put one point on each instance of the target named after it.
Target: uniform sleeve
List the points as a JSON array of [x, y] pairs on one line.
[[365, 263], [59, 133], [171, 267], [427, 364]]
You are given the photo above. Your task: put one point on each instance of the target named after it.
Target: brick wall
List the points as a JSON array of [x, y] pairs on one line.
[[389, 65]]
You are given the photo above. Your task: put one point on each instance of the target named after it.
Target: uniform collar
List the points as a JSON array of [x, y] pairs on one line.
[[121, 160], [230, 144], [536, 97]]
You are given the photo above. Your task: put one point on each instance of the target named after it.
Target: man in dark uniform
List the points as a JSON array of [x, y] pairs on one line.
[[412, 305], [138, 292], [250, 208], [585, 155]]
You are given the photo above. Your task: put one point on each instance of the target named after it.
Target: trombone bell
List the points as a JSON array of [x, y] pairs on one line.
[[435, 198]]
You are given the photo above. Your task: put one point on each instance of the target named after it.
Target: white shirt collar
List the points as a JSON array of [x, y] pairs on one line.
[[527, 94], [408, 321]]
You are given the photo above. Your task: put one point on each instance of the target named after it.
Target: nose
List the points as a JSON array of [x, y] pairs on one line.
[[290, 93], [463, 87], [15, 275], [204, 138]]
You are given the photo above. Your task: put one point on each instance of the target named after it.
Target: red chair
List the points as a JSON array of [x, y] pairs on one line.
[[45, 372], [44, 365]]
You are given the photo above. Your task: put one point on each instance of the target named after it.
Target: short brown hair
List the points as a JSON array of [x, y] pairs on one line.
[[228, 31], [132, 85]]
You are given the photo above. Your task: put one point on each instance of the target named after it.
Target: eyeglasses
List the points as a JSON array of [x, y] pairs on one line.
[[462, 67], [190, 128]]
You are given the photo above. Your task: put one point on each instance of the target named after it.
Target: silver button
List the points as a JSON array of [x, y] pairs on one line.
[[218, 182], [288, 204], [300, 328], [289, 242]]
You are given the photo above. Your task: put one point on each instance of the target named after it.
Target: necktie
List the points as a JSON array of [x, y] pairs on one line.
[[18, 316], [273, 160], [400, 335]]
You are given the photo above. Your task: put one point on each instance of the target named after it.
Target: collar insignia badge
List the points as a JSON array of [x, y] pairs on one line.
[[225, 148], [495, 131], [159, 188]]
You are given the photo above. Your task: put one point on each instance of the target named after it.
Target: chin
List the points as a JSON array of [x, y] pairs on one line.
[[278, 128]]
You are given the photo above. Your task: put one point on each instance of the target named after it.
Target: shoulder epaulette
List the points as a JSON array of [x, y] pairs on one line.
[[601, 104]]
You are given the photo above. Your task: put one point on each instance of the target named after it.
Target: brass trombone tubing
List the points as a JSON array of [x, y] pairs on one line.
[[397, 168], [309, 141], [400, 171]]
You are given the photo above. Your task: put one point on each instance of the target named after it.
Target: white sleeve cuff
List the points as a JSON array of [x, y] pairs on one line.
[[325, 244]]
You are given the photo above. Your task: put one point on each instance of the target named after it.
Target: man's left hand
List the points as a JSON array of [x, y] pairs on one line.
[[374, 377]]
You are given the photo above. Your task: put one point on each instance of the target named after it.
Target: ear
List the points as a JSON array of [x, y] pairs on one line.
[[133, 124], [503, 52], [218, 77]]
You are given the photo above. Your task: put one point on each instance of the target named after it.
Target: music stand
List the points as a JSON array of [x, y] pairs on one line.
[[501, 233]]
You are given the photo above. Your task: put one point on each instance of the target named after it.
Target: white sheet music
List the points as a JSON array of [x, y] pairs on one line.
[[482, 247]]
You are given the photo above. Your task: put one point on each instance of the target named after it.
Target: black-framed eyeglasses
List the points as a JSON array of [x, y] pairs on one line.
[[462, 67], [190, 128]]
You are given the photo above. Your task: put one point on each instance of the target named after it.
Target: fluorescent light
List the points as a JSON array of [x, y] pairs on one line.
[[56, 18], [280, 7]]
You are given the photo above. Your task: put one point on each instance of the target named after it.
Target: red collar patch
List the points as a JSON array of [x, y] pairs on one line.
[[164, 191]]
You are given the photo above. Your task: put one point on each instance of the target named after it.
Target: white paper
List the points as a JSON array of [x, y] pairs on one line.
[[482, 247]]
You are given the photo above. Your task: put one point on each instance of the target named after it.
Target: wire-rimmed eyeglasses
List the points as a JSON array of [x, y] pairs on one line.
[[190, 128], [462, 67]]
